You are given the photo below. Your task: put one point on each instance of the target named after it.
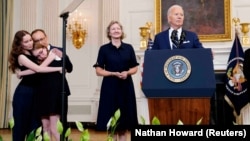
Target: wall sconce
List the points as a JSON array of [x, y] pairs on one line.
[[77, 29], [245, 40]]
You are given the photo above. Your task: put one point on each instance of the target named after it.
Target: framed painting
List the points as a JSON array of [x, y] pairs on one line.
[[210, 19]]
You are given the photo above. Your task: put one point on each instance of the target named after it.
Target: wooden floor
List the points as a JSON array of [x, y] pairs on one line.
[[75, 135]]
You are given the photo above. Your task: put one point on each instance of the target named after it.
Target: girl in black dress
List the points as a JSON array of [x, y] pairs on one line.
[[116, 62], [48, 99]]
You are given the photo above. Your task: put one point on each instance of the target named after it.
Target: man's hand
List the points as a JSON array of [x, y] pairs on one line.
[[57, 51], [51, 55]]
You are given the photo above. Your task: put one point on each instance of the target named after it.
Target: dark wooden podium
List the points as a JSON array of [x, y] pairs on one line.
[[188, 100], [188, 110]]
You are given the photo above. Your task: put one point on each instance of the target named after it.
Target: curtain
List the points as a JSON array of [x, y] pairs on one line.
[[6, 20]]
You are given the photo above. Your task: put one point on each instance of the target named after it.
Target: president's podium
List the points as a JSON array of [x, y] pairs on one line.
[[179, 84]]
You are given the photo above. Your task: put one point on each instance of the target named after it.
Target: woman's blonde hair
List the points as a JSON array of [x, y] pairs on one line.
[[108, 29]]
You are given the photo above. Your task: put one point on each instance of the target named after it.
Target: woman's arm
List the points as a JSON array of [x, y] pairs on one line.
[[123, 75], [25, 72], [46, 62], [131, 71], [102, 72], [24, 61]]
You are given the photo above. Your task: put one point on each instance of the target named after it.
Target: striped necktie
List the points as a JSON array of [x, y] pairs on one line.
[[174, 39]]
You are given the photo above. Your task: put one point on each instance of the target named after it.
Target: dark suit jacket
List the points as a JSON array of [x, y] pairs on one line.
[[162, 41], [68, 64], [68, 67]]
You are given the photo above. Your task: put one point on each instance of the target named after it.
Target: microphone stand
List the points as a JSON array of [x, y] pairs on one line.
[[62, 117], [65, 14]]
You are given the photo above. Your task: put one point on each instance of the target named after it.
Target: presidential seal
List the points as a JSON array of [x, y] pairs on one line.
[[177, 68]]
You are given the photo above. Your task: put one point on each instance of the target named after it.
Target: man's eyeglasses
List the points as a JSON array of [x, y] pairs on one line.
[[38, 40]]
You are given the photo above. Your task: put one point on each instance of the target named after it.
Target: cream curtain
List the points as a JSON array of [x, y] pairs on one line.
[[6, 20]]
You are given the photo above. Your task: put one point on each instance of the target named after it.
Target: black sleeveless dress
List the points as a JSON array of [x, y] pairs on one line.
[[49, 91]]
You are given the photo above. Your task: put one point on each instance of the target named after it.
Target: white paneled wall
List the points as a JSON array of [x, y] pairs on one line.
[[84, 84]]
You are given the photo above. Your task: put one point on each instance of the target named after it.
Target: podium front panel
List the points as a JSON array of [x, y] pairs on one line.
[[200, 82]]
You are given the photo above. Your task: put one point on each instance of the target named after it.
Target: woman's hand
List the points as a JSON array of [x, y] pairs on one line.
[[122, 75], [18, 74]]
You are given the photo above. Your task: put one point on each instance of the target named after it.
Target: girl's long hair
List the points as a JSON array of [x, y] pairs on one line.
[[16, 49]]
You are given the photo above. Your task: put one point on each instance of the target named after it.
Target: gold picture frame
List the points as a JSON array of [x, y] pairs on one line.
[[214, 25]]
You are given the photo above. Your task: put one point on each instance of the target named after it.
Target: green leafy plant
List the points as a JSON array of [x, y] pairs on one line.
[[112, 124], [11, 124], [46, 137], [234, 123], [156, 121], [67, 133], [36, 135], [179, 122], [59, 127], [142, 119], [197, 123], [84, 132]]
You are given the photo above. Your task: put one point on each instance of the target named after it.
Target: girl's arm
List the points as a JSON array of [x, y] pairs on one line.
[[24, 61], [20, 73], [30, 71]]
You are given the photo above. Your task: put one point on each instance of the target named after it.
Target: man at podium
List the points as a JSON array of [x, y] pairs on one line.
[[179, 90], [175, 37]]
